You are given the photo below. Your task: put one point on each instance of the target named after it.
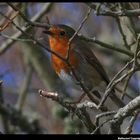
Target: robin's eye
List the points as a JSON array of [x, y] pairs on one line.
[[62, 33]]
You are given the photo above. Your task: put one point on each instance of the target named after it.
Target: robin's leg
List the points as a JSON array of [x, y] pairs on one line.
[[96, 93], [103, 108], [77, 101]]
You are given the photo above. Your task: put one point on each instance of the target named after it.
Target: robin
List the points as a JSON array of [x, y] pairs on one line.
[[85, 64]]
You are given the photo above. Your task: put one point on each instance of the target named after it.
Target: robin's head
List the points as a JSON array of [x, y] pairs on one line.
[[60, 32], [59, 36]]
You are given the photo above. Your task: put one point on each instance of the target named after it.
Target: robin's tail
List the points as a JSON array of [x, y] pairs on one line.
[[113, 97], [116, 99]]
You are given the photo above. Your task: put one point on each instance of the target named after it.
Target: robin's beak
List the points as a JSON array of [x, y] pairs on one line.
[[48, 32]]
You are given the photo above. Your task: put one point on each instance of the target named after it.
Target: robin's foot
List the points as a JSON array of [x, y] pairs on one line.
[[96, 93], [77, 101]]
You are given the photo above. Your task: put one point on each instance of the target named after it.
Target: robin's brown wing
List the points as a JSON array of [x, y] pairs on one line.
[[85, 52], [83, 49]]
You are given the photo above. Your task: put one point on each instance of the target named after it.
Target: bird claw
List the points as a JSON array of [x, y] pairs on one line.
[[77, 101]]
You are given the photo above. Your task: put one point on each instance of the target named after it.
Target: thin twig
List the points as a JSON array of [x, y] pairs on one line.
[[125, 86], [136, 51], [135, 12], [91, 5], [104, 114], [108, 46], [97, 128], [131, 123], [34, 40], [132, 28], [109, 88], [87, 104], [113, 82], [122, 33], [91, 105], [2, 27], [38, 24], [45, 25], [79, 28], [15, 39], [134, 65], [17, 10], [9, 42]]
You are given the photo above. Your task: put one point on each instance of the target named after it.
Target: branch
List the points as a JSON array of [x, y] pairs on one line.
[[113, 82], [29, 22], [136, 51], [123, 113], [35, 40], [9, 42], [110, 85], [80, 112], [6, 24], [104, 114], [79, 28], [134, 64], [122, 33], [108, 46], [91, 105], [135, 12], [131, 123], [15, 39], [125, 86], [99, 116], [97, 128]]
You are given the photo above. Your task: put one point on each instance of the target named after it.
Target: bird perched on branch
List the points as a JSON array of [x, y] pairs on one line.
[[81, 63]]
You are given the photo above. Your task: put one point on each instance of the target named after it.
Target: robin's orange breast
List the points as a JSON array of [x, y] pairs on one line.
[[59, 64], [61, 47]]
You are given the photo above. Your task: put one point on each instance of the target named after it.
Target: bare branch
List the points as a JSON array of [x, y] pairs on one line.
[[136, 51], [135, 12], [97, 128], [9, 42], [5, 25], [122, 33], [15, 39], [131, 123], [29, 22], [104, 114], [91, 105], [123, 113], [125, 86], [113, 82], [81, 113], [79, 28], [108, 46], [108, 89]]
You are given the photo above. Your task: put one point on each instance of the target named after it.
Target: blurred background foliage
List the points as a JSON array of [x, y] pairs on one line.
[[25, 68]]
